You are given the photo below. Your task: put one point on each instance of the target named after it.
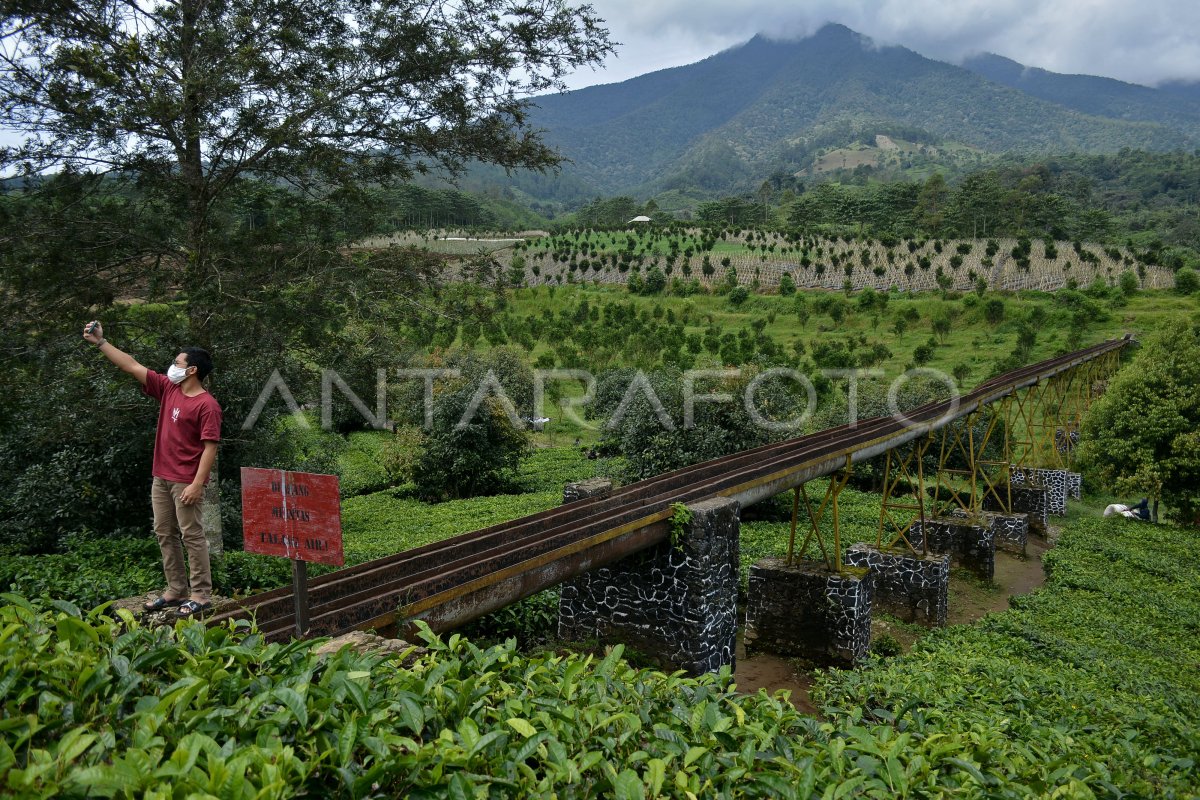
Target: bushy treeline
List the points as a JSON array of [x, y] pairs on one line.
[[415, 207], [1140, 200], [614, 212]]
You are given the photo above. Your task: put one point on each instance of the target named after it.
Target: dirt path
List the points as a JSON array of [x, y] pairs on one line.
[[772, 672], [970, 600]]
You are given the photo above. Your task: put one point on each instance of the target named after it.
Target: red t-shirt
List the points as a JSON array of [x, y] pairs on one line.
[[184, 424]]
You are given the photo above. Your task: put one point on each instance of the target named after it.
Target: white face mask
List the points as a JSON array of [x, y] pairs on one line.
[[176, 374]]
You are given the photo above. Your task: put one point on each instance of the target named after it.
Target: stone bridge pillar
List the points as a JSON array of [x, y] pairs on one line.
[[1059, 484], [909, 586], [970, 543], [1032, 502], [804, 609], [674, 603], [1011, 531]]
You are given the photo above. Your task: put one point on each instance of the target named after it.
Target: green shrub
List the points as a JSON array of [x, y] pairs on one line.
[[787, 286], [655, 281], [475, 446], [1186, 281], [993, 310], [886, 646], [476, 459], [1128, 282]]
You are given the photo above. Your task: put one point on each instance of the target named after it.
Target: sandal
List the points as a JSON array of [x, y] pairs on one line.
[[158, 605], [190, 608]]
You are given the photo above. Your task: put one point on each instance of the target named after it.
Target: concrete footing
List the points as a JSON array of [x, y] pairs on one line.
[[676, 604], [806, 610], [910, 587], [969, 543]]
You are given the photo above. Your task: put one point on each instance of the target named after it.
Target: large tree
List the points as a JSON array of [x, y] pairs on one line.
[[175, 127], [1143, 436], [193, 95]]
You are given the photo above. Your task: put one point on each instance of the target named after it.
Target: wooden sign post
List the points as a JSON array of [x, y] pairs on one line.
[[296, 515]]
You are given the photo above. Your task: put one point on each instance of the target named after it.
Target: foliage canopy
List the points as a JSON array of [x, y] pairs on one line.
[[192, 97], [1143, 435]]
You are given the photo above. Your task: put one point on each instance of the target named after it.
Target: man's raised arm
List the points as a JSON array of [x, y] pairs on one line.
[[93, 332]]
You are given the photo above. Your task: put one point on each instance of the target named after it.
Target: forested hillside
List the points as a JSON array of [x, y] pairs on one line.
[[1102, 97], [731, 119]]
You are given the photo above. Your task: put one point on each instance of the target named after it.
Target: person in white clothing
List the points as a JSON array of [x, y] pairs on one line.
[[1141, 511]]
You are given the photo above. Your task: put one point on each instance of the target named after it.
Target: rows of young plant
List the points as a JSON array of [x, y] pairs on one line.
[[763, 260], [1084, 689], [597, 329]]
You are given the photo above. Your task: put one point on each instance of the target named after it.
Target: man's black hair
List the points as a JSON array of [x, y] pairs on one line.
[[199, 358]]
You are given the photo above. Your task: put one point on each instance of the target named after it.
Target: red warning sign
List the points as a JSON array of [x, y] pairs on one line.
[[295, 515]]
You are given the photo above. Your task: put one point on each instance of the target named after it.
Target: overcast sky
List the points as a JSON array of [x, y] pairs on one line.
[[1141, 41]]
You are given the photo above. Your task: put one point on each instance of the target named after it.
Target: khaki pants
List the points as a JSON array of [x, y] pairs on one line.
[[178, 526]]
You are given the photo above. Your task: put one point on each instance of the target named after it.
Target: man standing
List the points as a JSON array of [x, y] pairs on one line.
[[185, 447]]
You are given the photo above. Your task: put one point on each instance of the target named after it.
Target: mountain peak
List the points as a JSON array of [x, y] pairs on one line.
[[831, 30], [774, 104], [995, 68], [829, 34]]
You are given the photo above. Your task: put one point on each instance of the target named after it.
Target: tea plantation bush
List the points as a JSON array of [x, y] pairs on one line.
[[95, 571], [1087, 688]]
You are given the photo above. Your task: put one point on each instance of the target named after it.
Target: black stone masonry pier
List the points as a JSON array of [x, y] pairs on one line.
[[675, 603], [1059, 484], [910, 586], [971, 543], [1011, 531], [804, 609], [1031, 501]]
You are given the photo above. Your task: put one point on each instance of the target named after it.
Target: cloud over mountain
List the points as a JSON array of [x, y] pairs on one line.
[[1144, 42]]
